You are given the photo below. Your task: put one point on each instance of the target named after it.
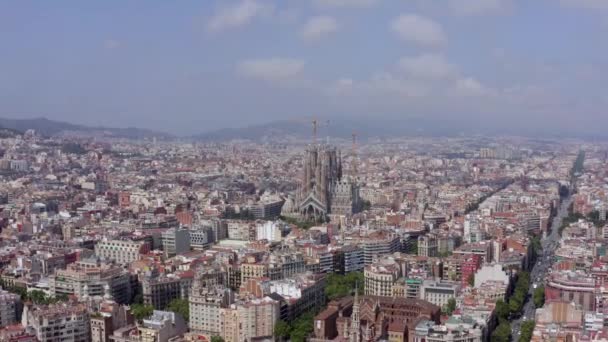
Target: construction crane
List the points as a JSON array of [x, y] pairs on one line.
[[355, 171]]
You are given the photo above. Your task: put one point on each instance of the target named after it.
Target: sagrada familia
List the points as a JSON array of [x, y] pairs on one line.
[[323, 189]]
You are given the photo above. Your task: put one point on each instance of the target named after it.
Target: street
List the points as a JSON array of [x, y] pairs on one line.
[[543, 263]]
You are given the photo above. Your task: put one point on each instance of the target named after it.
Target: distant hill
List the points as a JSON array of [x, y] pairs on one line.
[[365, 129], [51, 128], [9, 133]]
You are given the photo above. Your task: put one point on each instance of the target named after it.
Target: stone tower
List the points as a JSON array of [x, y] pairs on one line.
[[355, 322], [323, 190]]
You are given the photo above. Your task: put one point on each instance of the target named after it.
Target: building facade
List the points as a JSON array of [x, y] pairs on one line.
[[121, 251], [58, 322]]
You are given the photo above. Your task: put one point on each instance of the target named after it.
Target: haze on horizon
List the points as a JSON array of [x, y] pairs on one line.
[[192, 66]]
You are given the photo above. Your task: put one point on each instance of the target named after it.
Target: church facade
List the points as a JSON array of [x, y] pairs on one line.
[[323, 189]]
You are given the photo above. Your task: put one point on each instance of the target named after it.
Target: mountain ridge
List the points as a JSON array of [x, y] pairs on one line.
[[48, 127]]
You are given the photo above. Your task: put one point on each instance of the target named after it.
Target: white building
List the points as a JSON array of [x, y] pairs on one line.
[[162, 326], [472, 229], [121, 251], [492, 272], [58, 322], [268, 231], [438, 293]]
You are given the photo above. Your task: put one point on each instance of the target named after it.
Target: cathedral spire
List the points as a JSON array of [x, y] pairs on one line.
[[355, 324]]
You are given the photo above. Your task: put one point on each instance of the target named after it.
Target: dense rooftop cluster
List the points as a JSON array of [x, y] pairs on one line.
[[412, 240]]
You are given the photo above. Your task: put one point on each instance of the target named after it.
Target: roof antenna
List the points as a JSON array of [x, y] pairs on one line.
[[314, 131], [327, 123]]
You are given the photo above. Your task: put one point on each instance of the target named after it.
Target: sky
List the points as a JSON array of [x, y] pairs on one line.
[[193, 66]]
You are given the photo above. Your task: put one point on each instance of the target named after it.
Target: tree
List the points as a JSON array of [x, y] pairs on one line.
[[38, 297], [536, 245], [302, 327], [61, 297], [367, 205], [450, 306], [138, 299], [527, 328], [282, 330], [539, 296], [502, 333], [339, 286], [471, 280], [180, 306], [73, 148], [217, 339], [141, 311], [412, 247], [515, 305], [502, 310]]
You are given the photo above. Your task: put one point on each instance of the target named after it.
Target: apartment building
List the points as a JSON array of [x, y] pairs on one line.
[[10, 306], [437, 292], [121, 251], [175, 241], [58, 322], [89, 278], [380, 277], [206, 303], [249, 320]]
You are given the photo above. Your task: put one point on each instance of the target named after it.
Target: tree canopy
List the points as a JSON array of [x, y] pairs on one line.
[[502, 333], [517, 300], [180, 306], [141, 311], [282, 330], [449, 308], [539, 296], [339, 286], [527, 328]]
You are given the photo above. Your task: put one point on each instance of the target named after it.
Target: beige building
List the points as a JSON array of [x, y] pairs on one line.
[[162, 326], [380, 277], [252, 270], [89, 278], [249, 320], [427, 245], [205, 306], [109, 317]]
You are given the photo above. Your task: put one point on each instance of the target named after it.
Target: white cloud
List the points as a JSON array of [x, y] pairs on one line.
[[589, 4], [271, 70], [317, 27], [428, 66], [420, 30], [111, 44], [346, 3], [237, 15], [476, 7], [470, 87]]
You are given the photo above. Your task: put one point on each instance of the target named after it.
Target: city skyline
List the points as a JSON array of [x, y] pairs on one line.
[[199, 66]]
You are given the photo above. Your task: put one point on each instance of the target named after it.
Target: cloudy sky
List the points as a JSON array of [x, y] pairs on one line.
[[192, 66]]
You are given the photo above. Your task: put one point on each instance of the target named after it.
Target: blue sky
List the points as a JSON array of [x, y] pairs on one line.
[[191, 66]]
